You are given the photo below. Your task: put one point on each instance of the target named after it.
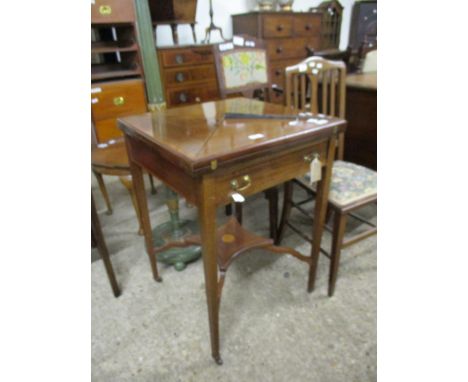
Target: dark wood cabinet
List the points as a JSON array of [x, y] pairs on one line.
[[289, 38], [363, 24], [116, 73]]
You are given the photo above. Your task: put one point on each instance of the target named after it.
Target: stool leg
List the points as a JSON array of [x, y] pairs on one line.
[[339, 226], [102, 248], [102, 187], [127, 182]]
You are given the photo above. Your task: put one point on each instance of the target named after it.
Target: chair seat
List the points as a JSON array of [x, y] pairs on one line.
[[350, 182], [112, 155]]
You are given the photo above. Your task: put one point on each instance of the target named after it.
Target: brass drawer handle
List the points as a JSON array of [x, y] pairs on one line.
[[307, 27], [279, 28], [179, 59], [105, 10], [279, 49], [247, 183], [183, 97], [119, 101]]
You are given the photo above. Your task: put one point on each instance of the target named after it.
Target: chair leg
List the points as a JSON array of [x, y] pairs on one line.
[[228, 209], [127, 182], [238, 209], [153, 189], [339, 226], [272, 196], [102, 187], [288, 194]]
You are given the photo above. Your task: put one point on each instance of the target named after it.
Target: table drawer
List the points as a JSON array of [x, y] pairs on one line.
[[186, 56], [185, 96], [277, 26], [265, 174], [290, 48], [307, 25], [117, 99], [182, 76], [112, 11]]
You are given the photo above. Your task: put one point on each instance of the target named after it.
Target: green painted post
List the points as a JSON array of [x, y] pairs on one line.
[[174, 229]]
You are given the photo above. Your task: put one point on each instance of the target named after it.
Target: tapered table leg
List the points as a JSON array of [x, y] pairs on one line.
[[320, 213], [207, 218], [139, 190]]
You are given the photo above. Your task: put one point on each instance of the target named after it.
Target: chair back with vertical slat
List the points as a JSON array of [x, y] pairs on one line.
[[318, 86], [241, 66]]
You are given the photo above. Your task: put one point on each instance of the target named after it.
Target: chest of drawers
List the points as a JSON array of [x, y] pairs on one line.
[[289, 38], [188, 74]]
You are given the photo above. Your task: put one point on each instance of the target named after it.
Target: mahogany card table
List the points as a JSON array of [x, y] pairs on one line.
[[211, 160]]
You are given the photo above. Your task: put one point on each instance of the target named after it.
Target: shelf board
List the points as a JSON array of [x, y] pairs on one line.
[[113, 46], [108, 71]]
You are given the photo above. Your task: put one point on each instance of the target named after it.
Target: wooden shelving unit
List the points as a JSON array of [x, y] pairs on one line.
[[117, 86]]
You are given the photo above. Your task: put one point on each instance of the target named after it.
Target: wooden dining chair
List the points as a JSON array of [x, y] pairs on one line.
[[242, 69], [318, 86], [111, 159]]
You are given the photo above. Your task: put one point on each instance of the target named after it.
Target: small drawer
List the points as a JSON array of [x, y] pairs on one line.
[[307, 25], [112, 11], [117, 99], [262, 174], [277, 70], [277, 26], [287, 48], [187, 96], [189, 75], [188, 56]]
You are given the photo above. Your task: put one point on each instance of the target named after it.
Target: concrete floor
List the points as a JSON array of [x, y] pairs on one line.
[[271, 328]]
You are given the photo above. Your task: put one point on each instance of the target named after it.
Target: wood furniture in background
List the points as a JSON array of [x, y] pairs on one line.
[[331, 23], [207, 159], [289, 37], [97, 238], [352, 186], [363, 24], [188, 74], [116, 73], [174, 13], [361, 114]]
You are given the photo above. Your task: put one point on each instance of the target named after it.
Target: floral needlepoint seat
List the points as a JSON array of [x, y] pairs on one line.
[[350, 182]]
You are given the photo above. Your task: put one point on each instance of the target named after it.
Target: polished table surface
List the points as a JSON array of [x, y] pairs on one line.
[[205, 157], [199, 134], [362, 80]]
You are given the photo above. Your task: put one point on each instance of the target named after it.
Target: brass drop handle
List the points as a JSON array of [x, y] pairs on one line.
[[237, 187], [307, 27], [179, 59], [105, 10], [278, 72], [311, 157], [279, 49], [119, 101], [183, 97], [279, 28]]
